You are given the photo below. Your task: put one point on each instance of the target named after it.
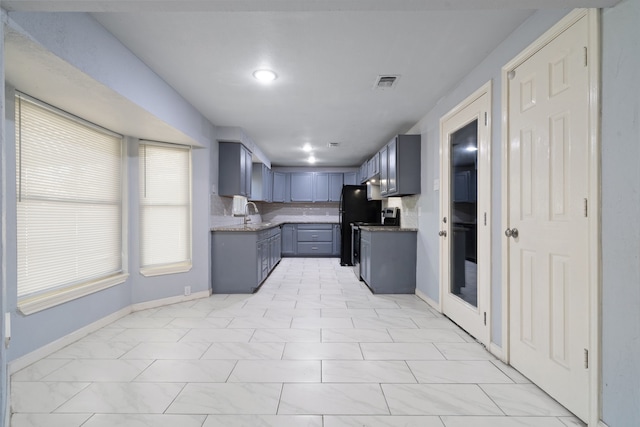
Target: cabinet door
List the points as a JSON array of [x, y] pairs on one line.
[[363, 172], [392, 167], [279, 180], [259, 251], [350, 178], [336, 240], [234, 170], [289, 239], [336, 181], [302, 187], [278, 247], [461, 186], [384, 172], [321, 187], [248, 170], [365, 260], [267, 184]]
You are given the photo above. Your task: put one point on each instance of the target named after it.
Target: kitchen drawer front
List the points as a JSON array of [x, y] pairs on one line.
[[315, 235], [315, 226], [315, 248]]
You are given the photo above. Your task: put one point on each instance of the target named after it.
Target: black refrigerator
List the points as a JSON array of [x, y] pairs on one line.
[[354, 207]]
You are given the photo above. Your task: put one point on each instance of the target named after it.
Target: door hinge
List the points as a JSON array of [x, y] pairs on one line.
[[485, 218], [586, 359], [586, 57], [485, 318], [586, 208], [486, 120]]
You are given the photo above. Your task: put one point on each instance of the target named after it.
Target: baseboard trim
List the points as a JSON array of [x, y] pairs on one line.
[[428, 300], [47, 349], [170, 300]]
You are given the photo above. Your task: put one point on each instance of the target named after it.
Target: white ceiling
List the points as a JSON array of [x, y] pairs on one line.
[[327, 55]]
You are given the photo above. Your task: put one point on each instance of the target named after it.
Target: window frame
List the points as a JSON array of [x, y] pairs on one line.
[[47, 298], [178, 266]]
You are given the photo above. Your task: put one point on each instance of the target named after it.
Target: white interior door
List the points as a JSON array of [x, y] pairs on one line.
[[548, 149], [464, 207]]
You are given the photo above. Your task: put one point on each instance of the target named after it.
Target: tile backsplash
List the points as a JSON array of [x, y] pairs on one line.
[[221, 211], [408, 209], [300, 212]]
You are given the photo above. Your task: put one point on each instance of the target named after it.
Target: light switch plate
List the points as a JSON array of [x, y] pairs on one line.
[[436, 185]]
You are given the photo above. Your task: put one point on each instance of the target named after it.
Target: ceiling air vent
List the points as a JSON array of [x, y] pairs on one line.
[[386, 81], [333, 144]]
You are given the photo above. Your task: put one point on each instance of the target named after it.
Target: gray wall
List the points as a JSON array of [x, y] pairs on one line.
[[429, 127], [144, 88], [621, 215]]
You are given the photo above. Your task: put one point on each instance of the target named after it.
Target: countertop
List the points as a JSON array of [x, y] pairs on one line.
[[264, 225], [386, 228]]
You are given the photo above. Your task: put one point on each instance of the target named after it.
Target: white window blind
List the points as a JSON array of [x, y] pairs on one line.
[[69, 207], [165, 208]]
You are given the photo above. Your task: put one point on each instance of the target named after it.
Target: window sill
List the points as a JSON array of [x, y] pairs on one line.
[[31, 305], [181, 267]]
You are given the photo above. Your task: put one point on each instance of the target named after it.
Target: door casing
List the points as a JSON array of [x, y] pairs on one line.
[[594, 218]]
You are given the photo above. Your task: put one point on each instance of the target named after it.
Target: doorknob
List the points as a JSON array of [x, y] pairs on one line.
[[442, 233], [513, 232]]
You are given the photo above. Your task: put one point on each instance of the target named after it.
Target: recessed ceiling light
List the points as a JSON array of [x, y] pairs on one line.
[[265, 75], [311, 159], [307, 147]]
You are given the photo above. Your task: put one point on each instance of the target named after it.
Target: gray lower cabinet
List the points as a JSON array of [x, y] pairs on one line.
[[388, 261], [289, 239], [310, 240], [242, 260], [336, 240]]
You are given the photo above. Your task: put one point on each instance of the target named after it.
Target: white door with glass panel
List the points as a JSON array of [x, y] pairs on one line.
[[464, 214]]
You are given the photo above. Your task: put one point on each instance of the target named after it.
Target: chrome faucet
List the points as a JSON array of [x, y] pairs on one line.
[[246, 211]]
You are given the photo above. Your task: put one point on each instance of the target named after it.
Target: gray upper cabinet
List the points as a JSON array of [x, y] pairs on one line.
[[305, 187], [336, 181], [302, 187], [384, 172], [261, 183], [400, 166], [279, 187], [392, 165], [350, 178], [364, 172], [373, 166], [320, 187], [234, 170]]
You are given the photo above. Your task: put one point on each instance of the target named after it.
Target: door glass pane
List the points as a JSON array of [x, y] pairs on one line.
[[463, 209]]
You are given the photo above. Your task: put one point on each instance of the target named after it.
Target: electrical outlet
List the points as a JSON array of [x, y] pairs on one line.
[[187, 291]]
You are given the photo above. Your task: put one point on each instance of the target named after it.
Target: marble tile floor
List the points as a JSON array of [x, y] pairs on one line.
[[312, 348]]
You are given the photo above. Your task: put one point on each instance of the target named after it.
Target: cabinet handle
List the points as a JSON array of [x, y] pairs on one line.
[[313, 248]]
